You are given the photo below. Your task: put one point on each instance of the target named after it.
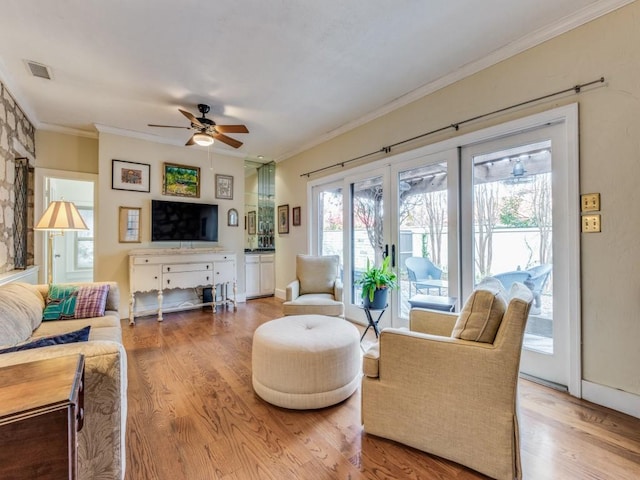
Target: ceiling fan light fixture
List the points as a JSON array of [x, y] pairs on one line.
[[203, 139]]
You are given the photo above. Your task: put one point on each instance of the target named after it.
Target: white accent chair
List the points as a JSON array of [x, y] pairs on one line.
[[317, 290]]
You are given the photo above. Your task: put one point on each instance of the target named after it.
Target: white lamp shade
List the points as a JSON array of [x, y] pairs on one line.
[[203, 139], [61, 215]]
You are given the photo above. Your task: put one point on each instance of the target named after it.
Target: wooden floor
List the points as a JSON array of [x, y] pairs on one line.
[[193, 415]]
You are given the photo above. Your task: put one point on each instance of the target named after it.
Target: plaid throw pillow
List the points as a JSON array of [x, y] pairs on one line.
[[92, 300], [66, 302]]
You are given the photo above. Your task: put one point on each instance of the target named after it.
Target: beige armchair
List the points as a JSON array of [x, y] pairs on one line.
[[447, 396], [317, 288]]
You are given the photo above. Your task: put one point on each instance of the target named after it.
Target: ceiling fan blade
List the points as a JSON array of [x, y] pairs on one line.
[[166, 126], [228, 140], [191, 141], [191, 118], [231, 129]]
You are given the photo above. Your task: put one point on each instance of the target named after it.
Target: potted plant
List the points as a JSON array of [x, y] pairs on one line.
[[376, 282]]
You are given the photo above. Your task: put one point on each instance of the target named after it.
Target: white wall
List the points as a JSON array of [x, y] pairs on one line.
[[609, 164], [111, 261]]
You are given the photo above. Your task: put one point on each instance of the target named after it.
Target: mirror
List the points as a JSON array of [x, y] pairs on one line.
[[129, 223], [260, 201], [232, 217]]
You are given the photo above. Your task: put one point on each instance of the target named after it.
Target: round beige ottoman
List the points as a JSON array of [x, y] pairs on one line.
[[306, 361]]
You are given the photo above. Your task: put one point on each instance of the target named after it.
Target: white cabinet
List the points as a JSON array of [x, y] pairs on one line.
[[252, 275], [260, 275], [165, 269]]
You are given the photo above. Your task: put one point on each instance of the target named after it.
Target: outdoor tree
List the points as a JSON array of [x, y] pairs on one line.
[[541, 212], [486, 217], [368, 211], [435, 204]]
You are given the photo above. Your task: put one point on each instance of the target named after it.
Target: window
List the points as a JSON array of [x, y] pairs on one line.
[[83, 242]]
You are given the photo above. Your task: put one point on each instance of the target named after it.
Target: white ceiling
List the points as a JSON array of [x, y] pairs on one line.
[[295, 72]]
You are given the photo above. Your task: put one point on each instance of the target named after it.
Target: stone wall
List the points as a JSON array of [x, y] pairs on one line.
[[14, 127]]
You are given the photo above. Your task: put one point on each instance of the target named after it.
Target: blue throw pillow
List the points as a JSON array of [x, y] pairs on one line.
[[81, 335]]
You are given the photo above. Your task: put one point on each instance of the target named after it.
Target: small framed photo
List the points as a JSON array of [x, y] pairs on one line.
[[295, 214], [283, 218], [224, 187], [181, 180], [130, 176], [251, 227], [129, 223]]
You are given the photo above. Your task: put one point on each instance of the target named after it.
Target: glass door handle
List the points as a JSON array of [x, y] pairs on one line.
[[393, 255]]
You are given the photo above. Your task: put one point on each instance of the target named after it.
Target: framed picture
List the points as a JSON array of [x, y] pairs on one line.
[[181, 180], [232, 217], [224, 187], [283, 218], [129, 223], [130, 176], [295, 213], [251, 227]]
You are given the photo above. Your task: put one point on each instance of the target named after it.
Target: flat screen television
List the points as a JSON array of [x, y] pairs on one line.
[[183, 221]]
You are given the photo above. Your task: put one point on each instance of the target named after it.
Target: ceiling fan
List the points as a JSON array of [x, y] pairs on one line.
[[207, 130]]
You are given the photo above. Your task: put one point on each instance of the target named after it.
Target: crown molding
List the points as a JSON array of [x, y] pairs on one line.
[[563, 25], [51, 127], [149, 137]]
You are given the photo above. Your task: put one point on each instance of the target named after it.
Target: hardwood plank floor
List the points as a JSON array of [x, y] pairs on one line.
[[192, 414]]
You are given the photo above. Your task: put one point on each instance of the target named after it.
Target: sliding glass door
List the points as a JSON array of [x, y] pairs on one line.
[[513, 206], [425, 231], [501, 201]]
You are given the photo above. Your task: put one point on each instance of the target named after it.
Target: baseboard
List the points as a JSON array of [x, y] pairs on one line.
[[281, 294], [613, 398]]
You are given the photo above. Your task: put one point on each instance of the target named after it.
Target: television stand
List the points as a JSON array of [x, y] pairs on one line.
[[154, 269]]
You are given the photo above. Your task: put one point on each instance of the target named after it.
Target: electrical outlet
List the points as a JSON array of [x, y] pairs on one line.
[[590, 223], [590, 202]]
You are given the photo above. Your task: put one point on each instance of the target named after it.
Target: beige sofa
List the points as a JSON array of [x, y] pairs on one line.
[[101, 447]]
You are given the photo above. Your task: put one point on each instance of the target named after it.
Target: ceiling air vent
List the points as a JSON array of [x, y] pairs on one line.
[[39, 70]]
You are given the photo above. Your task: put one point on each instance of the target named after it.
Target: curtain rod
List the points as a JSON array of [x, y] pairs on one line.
[[456, 126]]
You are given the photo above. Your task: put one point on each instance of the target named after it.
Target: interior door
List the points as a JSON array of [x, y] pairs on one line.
[[514, 227]]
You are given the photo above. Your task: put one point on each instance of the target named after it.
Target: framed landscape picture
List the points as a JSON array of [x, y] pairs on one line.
[[224, 187], [130, 176], [283, 218], [181, 180]]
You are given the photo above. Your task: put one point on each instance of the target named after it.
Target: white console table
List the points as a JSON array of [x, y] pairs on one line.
[[153, 269]]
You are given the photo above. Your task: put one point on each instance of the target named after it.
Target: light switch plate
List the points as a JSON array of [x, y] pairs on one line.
[[590, 223], [590, 202]]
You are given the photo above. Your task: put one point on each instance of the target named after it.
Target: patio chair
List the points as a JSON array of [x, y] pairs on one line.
[[509, 278], [539, 276], [423, 274]]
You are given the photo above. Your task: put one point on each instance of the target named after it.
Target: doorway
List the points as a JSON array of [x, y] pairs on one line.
[[73, 252]]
